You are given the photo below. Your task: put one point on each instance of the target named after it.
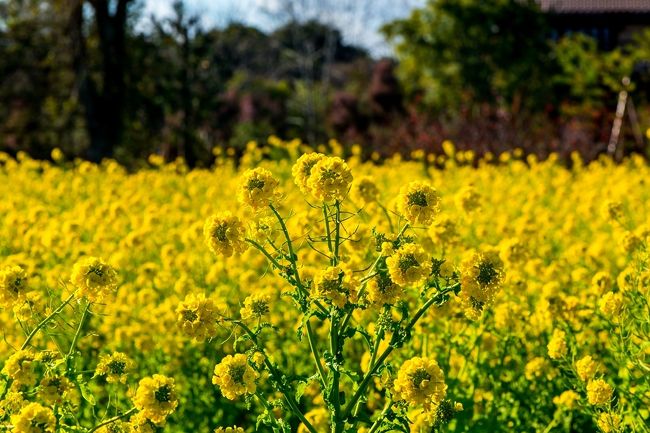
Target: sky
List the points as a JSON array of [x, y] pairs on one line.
[[358, 20]]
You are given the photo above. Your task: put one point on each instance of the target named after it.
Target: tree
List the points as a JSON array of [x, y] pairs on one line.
[[37, 110], [455, 53], [101, 86]]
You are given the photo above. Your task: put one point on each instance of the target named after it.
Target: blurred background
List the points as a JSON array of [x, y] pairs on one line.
[[128, 78]]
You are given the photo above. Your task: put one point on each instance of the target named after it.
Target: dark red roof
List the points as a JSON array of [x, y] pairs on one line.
[[595, 6]]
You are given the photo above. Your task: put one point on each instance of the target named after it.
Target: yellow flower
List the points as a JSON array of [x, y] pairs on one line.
[[481, 277], [631, 242], [535, 368], [302, 169], [13, 285], [599, 392], [54, 389], [586, 368], [258, 188], [156, 398], [409, 265], [57, 154], [114, 367], [197, 317], [421, 381], [364, 190], [256, 306], [418, 202], [513, 251], [140, 424], [262, 228], [444, 413], [611, 304], [234, 376], [34, 418], [329, 179], [382, 291], [614, 210], [468, 198], [609, 422], [567, 399], [258, 359], [507, 315], [94, 278], [557, 347], [224, 234], [33, 303], [12, 403], [20, 367], [335, 285], [601, 282], [444, 231]]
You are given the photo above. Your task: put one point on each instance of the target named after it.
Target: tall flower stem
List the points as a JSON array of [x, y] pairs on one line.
[[32, 334], [293, 405]]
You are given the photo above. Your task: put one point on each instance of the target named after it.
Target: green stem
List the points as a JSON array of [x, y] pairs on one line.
[[378, 422], [328, 232], [32, 334], [382, 358], [263, 251], [45, 322], [268, 408], [373, 356], [292, 254], [337, 424], [293, 259], [362, 289], [112, 420], [390, 221], [274, 371], [314, 352], [337, 231], [75, 339]]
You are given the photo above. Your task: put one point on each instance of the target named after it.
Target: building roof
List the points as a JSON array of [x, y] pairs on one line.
[[594, 6]]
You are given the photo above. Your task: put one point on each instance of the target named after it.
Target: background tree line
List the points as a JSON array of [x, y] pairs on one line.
[[88, 77]]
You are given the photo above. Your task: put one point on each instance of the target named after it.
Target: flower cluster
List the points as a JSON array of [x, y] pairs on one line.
[[94, 278], [224, 234], [198, 316], [421, 382], [234, 376], [156, 398]]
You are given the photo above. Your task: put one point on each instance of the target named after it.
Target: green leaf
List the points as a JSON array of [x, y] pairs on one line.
[[85, 391], [300, 389]]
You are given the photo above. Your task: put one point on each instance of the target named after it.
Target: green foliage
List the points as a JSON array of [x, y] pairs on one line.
[[454, 52], [587, 75]]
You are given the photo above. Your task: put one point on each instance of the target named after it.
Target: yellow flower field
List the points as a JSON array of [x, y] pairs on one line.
[[313, 292]]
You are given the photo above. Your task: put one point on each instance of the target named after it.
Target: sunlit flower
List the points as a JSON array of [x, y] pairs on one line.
[[421, 382], [34, 418], [13, 285], [409, 265], [418, 202], [224, 234], [114, 367], [156, 398], [234, 376], [258, 188], [94, 278], [599, 392], [198, 316], [329, 179]]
